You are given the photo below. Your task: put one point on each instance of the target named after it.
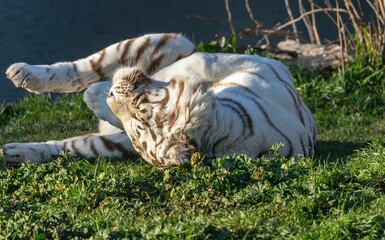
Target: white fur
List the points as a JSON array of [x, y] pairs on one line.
[[222, 93], [209, 120]]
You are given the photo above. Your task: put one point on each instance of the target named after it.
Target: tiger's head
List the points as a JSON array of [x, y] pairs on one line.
[[128, 92], [152, 111]]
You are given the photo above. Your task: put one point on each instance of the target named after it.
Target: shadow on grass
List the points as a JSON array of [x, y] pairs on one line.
[[334, 150], [330, 151], [5, 114]]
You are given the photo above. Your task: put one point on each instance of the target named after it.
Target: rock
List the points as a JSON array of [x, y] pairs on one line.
[[311, 56]]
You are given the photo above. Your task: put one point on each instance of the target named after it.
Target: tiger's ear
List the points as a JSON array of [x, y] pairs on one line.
[[131, 78], [138, 79]]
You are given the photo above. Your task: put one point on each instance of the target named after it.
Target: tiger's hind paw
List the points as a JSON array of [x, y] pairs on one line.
[[29, 77]]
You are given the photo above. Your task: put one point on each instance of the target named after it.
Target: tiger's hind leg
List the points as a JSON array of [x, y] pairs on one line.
[[150, 52], [90, 146]]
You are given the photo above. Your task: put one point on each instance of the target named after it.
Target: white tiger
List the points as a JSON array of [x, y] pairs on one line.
[[172, 103]]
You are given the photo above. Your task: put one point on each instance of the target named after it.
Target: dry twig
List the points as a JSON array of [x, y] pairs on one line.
[[294, 26], [229, 17], [257, 24]]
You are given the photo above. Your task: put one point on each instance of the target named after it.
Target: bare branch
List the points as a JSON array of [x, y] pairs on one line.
[[257, 24], [354, 18], [294, 26], [314, 24], [308, 13], [341, 31], [229, 17], [377, 11], [247, 30], [306, 21]]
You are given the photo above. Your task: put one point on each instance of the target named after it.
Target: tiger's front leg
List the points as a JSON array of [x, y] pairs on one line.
[[89, 146], [150, 52]]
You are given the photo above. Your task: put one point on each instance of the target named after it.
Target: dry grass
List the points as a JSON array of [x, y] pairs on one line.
[[360, 25]]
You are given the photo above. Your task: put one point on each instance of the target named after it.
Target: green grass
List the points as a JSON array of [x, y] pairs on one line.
[[337, 194]]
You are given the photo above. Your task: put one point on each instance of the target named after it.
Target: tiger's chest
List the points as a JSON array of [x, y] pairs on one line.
[[145, 141]]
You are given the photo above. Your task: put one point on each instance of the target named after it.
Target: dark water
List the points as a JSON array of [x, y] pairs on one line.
[[47, 31]]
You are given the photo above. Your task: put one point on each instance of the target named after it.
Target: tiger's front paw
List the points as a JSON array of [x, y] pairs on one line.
[[18, 153], [27, 76]]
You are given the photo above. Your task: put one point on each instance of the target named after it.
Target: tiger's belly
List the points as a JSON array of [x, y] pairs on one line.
[[250, 112]]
